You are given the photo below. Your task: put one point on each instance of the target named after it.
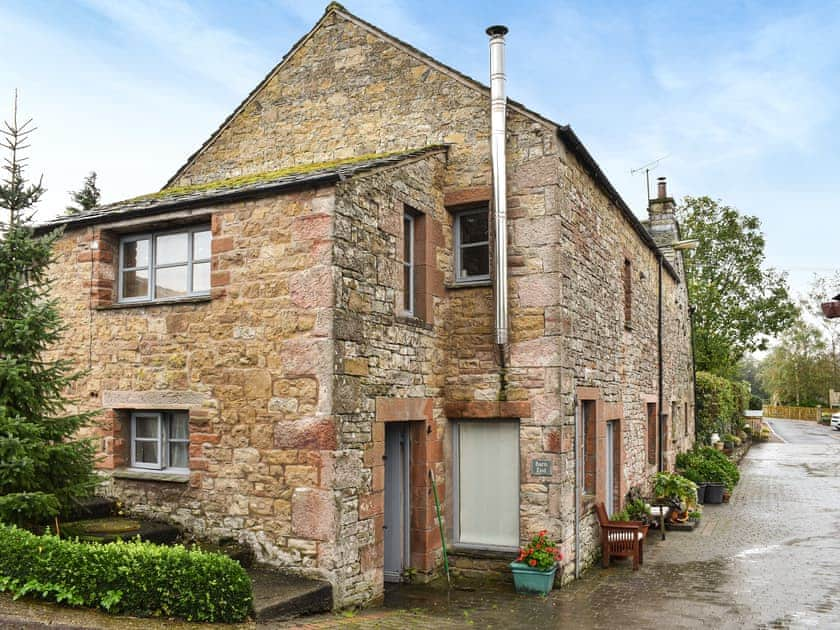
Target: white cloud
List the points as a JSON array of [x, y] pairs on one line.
[[188, 39]]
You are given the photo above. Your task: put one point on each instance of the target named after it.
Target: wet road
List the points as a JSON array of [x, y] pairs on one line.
[[768, 559]]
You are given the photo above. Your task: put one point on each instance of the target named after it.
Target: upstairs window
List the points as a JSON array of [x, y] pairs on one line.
[[408, 264], [472, 246], [652, 434], [160, 440], [627, 282], [164, 265]]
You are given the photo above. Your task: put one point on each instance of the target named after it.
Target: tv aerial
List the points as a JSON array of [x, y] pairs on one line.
[[647, 168]]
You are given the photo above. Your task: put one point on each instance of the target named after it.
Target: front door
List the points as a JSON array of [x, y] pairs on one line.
[[609, 499], [397, 508]]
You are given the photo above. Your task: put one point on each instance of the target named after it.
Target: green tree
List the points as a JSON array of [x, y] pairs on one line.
[[86, 197], [797, 371], [42, 466], [749, 370], [822, 289], [739, 304]]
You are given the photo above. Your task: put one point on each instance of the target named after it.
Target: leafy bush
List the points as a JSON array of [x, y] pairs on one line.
[[720, 405], [638, 510], [756, 403], [635, 510], [134, 578], [673, 486], [709, 465], [620, 516]]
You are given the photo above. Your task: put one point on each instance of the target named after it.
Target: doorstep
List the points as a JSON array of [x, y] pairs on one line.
[[279, 595]]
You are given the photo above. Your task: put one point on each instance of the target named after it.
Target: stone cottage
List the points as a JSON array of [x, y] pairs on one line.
[[318, 315]]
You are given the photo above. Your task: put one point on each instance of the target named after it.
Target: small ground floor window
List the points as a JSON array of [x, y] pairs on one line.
[[487, 483], [160, 440]]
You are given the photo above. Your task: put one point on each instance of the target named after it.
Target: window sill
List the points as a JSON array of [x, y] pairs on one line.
[[469, 285], [416, 322], [150, 475], [485, 553], [193, 299]]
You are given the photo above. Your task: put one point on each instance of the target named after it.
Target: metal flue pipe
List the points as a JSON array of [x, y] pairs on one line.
[[498, 107]]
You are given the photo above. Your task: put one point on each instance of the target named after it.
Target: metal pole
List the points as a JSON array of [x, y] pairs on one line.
[[440, 525]]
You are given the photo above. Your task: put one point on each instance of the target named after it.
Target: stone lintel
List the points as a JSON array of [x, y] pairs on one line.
[[403, 409], [465, 196], [152, 399], [478, 409]]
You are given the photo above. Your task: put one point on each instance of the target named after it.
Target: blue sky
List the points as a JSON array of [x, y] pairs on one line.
[[741, 96]]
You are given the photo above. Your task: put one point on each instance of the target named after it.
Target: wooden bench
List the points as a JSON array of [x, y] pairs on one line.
[[621, 539]]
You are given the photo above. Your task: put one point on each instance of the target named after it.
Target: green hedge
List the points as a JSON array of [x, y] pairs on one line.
[[720, 405], [135, 578]]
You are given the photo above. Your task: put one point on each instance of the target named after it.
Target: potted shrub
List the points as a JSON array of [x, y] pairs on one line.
[[637, 510], [536, 564], [682, 492], [711, 467]]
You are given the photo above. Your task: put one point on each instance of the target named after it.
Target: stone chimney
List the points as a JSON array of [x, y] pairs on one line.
[[662, 222]]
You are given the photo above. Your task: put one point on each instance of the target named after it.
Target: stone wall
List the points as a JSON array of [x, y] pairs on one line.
[[388, 367], [301, 357], [252, 363]]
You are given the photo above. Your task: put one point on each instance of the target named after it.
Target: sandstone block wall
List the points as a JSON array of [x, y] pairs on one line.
[[252, 363], [300, 357]]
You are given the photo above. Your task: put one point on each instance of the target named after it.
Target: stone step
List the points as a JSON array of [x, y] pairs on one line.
[[279, 595]]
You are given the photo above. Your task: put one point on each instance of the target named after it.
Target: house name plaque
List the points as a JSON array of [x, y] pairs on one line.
[[541, 467]]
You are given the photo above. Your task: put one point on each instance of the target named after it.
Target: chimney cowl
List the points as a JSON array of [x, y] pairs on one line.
[[661, 188], [497, 30]]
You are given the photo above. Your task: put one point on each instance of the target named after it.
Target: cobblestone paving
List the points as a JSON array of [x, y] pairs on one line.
[[768, 559]]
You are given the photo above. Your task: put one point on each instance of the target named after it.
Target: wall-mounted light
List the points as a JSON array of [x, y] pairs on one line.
[[680, 246]]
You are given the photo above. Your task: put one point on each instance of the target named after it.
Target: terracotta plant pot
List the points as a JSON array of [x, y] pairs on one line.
[[831, 309]]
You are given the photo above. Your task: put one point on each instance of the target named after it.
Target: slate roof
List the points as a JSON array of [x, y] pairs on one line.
[[237, 188]]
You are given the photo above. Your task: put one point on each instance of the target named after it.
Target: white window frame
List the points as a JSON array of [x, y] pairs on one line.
[[152, 265], [408, 236], [460, 277], [456, 485], [163, 441]]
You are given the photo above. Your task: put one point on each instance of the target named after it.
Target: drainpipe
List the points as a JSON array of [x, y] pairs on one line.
[[578, 476], [498, 106], [660, 432]]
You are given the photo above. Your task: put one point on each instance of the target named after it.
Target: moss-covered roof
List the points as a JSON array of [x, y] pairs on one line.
[[260, 178], [176, 197]]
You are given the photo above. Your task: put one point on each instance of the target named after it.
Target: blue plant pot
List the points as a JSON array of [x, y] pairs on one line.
[[530, 580]]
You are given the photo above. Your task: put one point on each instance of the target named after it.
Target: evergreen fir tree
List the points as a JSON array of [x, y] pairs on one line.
[[86, 197], [43, 467]]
